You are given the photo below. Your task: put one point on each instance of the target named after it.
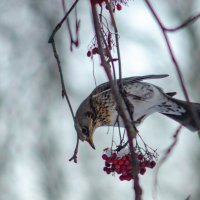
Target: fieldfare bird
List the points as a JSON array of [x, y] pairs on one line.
[[100, 108]]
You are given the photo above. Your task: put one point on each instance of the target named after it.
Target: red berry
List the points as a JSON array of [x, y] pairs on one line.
[[152, 164], [112, 169], [121, 162], [140, 156], [142, 170], [127, 162], [127, 157], [123, 158], [114, 156], [117, 166], [129, 167], [119, 7], [95, 50], [110, 160], [146, 162], [105, 169], [107, 164], [129, 177], [141, 164], [122, 178], [118, 171], [104, 157], [108, 171], [115, 162], [89, 53], [123, 167], [123, 172]]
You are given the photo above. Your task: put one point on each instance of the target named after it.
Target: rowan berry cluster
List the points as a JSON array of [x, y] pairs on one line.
[[120, 163]]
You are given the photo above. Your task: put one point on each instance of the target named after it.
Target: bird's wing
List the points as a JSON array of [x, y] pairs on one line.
[[141, 78], [106, 86]]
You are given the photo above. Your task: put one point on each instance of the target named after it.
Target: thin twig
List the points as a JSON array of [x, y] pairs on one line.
[[74, 157], [177, 67], [61, 22], [64, 93], [117, 41], [184, 24], [72, 41], [165, 157]]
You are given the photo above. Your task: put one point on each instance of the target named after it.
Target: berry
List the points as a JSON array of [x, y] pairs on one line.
[[109, 160], [112, 169], [105, 169], [146, 162], [115, 162], [107, 164], [140, 156], [118, 171], [117, 166], [124, 158], [141, 164], [122, 178], [129, 167], [123, 172], [127, 162], [121, 162], [114, 156], [104, 157], [95, 50], [129, 177], [108, 171], [152, 164], [123, 167], [89, 53], [142, 170], [119, 7]]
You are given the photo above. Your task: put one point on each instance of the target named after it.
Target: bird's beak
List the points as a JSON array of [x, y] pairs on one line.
[[90, 141]]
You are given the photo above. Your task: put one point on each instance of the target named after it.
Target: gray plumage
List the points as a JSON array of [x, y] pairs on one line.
[[143, 99]]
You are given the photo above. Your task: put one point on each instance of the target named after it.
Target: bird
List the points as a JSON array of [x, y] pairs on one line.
[[142, 99]]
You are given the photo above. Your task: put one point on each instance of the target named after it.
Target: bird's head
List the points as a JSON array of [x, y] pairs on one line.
[[85, 123]]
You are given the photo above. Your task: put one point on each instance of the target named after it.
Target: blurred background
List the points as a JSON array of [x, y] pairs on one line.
[[36, 128]]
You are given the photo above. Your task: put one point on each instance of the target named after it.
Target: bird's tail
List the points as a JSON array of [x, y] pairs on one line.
[[187, 114]]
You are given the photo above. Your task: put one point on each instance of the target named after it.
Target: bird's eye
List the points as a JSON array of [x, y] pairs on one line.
[[85, 130]]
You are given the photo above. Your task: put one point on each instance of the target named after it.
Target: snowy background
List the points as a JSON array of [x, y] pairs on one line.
[[36, 128]]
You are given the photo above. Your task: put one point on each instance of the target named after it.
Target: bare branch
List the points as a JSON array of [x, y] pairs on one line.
[[177, 67], [184, 24], [74, 157], [166, 156], [117, 41], [58, 26], [64, 93], [72, 40]]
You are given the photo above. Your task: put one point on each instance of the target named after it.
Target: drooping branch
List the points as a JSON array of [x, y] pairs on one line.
[[77, 26], [116, 40], [171, 53], [166, 156], [58, 26], [184, 24], [64, 92]]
